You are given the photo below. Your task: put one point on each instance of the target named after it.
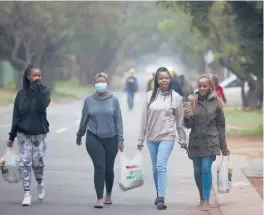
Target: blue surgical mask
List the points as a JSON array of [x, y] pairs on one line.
[[100, 87]]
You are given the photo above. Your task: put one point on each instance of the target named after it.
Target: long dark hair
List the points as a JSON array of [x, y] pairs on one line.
[[25, 100], [156, 85], [26, 82]]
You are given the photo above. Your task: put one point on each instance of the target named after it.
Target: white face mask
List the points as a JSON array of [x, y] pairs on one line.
[[100, 87]]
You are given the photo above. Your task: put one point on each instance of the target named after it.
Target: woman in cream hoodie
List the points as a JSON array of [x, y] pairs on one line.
[[162, 115]]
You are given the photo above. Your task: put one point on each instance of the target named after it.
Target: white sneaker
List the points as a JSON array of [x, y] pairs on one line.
[[40, 191], [27, 199]]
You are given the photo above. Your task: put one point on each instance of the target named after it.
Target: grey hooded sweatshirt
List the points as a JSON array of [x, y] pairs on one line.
[[102, 117], [162, 119]]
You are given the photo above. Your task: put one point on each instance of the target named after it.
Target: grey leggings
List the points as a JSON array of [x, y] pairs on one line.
[[103, 153]]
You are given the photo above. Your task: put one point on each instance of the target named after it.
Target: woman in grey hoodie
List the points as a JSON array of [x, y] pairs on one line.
[[102, 119], [162, 115]]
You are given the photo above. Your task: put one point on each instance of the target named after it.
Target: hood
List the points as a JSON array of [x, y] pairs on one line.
[[163, 93], [25, 81], [107, 96], [212, 95]]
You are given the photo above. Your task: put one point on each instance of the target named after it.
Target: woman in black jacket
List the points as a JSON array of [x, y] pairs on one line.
[[31, 126]]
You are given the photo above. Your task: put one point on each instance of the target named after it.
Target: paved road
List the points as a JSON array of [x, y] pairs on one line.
[[69, 173]]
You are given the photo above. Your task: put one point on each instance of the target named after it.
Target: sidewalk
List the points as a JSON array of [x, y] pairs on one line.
[[181, 194], [243, 199]]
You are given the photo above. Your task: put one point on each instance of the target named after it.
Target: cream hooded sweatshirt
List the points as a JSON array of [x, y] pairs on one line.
[[162, 119]]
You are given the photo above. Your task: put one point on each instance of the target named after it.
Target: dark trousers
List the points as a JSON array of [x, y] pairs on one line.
[[130, 99], [103, 153]]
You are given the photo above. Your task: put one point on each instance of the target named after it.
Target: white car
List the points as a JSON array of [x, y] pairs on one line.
[[232, 90]]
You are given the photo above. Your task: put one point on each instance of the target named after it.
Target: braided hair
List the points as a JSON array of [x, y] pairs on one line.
[[156, 85], [194, 99], [26, 82], [25, 100]]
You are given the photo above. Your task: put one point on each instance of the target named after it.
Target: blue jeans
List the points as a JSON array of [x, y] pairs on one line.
[[159, 153], [203, 175], [130, 99]]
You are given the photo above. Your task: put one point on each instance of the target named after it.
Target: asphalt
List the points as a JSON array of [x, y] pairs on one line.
[[69, 172]]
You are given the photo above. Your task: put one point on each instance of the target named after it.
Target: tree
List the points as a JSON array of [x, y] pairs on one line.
[[234, 31], [31, 33], [46, 33]]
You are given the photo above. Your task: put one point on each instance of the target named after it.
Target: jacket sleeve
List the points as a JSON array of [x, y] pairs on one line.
[[42, 95], [84, 120], [118, 122], [223, 95], [220, 125], [188, 122], [44, 99], [179, 121], [13, 132], [143, 122]]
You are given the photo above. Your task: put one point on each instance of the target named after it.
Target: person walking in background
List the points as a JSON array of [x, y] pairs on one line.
[[131, 87], [175, 83], [162, 115], [30, 126], [187, 87], [219, 89], [204, 115], [102, 122], [150, 85]]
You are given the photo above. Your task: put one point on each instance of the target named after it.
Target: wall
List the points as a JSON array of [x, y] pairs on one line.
[[8, 74]]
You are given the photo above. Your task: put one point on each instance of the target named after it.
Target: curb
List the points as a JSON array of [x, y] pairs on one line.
[[243, 199]]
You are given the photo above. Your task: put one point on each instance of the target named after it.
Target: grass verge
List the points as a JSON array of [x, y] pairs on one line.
[[63, 90], [70, 90], [248, 123]]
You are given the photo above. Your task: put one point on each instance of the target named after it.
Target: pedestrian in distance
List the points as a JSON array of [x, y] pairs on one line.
[[219, 89], [102, 122], [204, 115], [30, 126], [131, 87], [162, 116]]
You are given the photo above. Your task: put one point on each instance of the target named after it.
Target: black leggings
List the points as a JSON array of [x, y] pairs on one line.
[[103, 153]]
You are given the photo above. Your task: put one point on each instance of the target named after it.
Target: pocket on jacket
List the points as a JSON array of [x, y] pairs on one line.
[[213, 133], [213, 140]]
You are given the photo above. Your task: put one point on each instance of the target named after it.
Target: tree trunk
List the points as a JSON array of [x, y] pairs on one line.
[[84, 73]]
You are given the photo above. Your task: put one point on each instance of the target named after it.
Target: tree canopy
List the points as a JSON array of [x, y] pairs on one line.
[[233, 30]]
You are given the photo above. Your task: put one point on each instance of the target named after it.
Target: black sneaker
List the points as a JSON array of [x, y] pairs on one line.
[[161, 204], [156, 201]]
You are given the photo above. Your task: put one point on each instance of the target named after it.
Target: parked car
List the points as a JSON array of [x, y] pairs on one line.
[[232, 90]]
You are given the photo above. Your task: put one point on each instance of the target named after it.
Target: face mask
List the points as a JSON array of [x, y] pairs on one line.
[[100, 87]]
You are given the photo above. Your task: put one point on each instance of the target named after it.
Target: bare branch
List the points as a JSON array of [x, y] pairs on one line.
[[4, 45], [15, 52], [28, 54]]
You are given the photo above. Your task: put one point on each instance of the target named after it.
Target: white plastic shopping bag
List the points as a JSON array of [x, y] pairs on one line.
[[131, 172], [10, 166], [224, 175]]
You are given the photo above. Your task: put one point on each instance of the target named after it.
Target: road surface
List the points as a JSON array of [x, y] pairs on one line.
[[69, 172]]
